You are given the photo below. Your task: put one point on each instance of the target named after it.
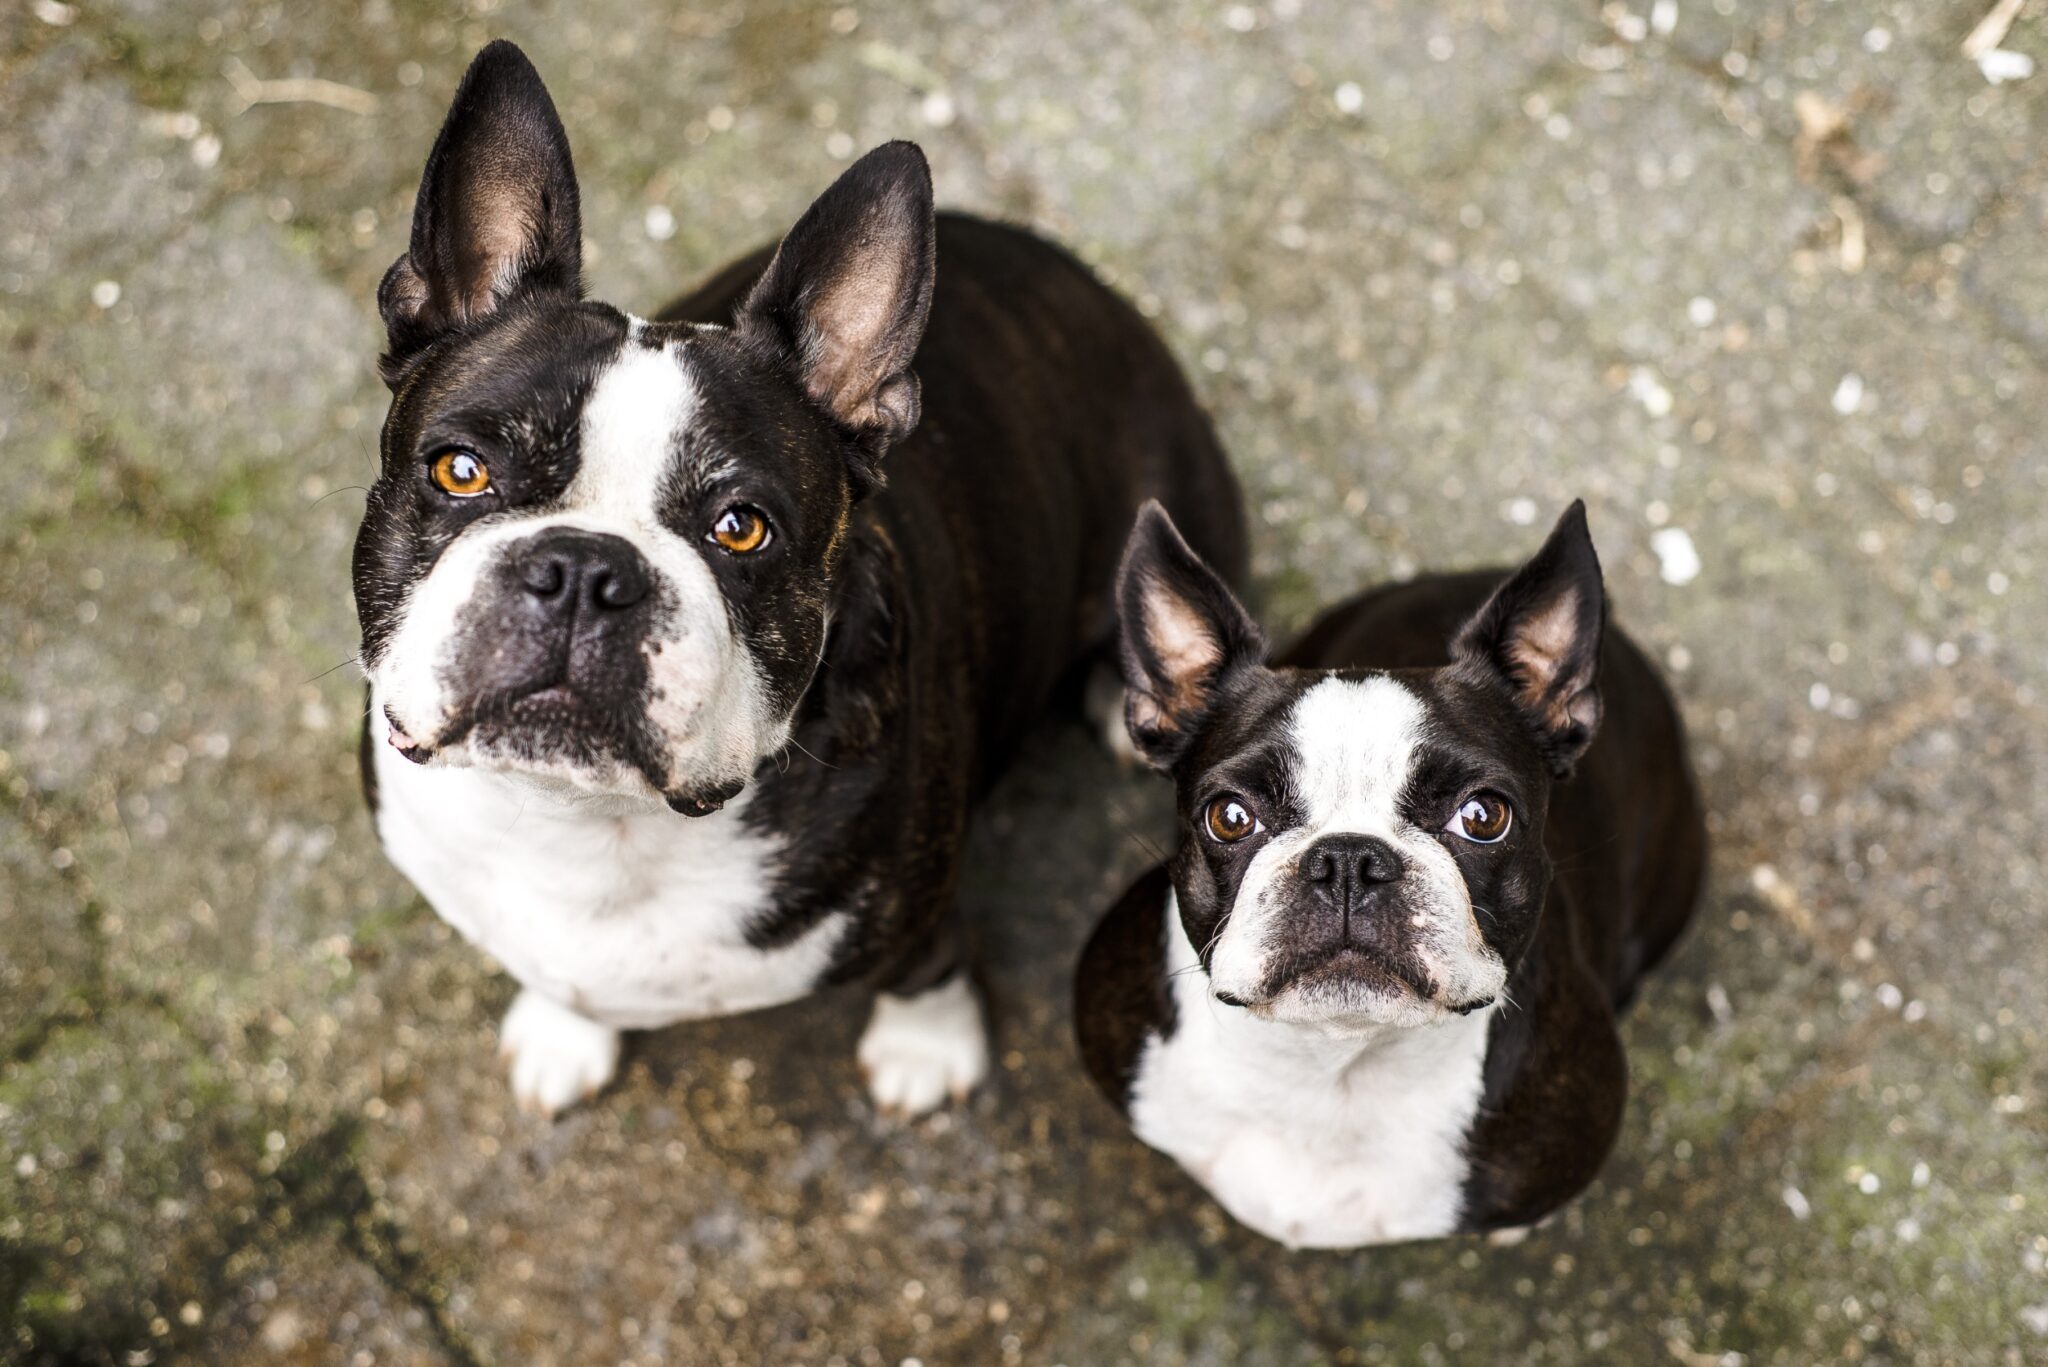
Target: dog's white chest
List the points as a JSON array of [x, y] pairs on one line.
[[1312, 1141], [635, 921]]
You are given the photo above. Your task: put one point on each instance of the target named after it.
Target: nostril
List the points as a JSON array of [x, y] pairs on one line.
[[544, 577], [1379, 864], [618, 589], [1317, 867]]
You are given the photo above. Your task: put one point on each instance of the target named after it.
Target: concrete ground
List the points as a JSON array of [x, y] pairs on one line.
[[1763, 281]]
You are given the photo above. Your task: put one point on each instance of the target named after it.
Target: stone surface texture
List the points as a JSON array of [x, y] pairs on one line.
[[1767, 275]]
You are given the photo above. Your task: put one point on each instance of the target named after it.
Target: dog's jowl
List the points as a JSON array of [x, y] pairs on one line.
[[1425, 860], [691, 638]]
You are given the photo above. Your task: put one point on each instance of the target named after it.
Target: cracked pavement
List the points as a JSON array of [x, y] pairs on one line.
[[1763, 282]]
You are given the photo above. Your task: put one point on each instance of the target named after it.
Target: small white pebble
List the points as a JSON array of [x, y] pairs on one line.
[[1817, 697], [2003, 64], [1702, 311], [1718, 1003], [1649, 391], [1908, 1230], [1241, 18], [1350, 98], [1663, 17], [937, 109], [1848, 394], [2035, 1317], [839, 145], [1796, 1202], [1997, 582], [1678, 561], [1877, 40], [660, 223], [206, 151], [1868, 1184], [1441, 48], [1922, 1175], [1889, 997], [1522, 511], [1679, 659], [1631, 28], [106, 293]]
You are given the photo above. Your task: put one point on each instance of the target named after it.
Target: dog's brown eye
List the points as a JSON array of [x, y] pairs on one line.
[[1230, 820], [1482, 818], [460, 473], [740, 529]]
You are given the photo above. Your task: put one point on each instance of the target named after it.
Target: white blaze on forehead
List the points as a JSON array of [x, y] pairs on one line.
[[1355, 743], [633, 421]]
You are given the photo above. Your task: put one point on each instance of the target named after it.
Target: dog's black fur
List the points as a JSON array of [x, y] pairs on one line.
[[951, 499], [1588, 746]]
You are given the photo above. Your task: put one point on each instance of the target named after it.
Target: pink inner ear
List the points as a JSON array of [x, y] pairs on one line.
[[1540, 643], [1187, 649], [850, 318], [500, 215]]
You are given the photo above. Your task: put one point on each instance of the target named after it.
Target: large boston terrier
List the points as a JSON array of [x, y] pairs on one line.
[[675, 709], [1425, 860]]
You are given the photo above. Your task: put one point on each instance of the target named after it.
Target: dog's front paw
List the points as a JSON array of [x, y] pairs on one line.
[[558, 1057], [917, 1051]]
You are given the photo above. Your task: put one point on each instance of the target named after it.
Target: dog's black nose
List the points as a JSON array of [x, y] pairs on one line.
[[1360, 859], [567, 570]]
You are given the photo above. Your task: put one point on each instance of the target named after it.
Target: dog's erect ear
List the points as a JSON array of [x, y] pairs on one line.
[[1183, 633], [497, 211], [1540, 634], [844, 301]]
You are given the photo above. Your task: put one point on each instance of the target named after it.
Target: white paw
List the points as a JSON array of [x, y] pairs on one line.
[[558, 1057], [917, 1051]]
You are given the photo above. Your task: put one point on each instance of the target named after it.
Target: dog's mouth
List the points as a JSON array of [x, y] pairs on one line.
[[554, 710], [1349, 981], [1344, 974], [556, 723], [1350, 967]]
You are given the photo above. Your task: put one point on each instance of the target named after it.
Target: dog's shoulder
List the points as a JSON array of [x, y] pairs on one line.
[[1121, 996], [1556, 1084]]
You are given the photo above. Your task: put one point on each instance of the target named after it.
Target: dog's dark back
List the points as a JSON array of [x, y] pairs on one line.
[[1036, 478]]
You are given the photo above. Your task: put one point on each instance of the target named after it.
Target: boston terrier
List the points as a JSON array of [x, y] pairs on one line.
[[1425, 860], [691, 639]]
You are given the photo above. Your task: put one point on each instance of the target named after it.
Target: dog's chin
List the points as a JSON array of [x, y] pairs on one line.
[[1353, 993], [559, 744]]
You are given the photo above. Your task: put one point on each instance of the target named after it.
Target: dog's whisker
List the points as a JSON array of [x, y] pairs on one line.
[[353, 659]]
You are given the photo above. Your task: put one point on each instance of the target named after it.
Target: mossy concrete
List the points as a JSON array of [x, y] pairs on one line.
[[1768, 275]]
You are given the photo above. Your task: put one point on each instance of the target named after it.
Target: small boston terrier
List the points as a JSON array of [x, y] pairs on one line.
[[1425, 860], [674, 708]]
